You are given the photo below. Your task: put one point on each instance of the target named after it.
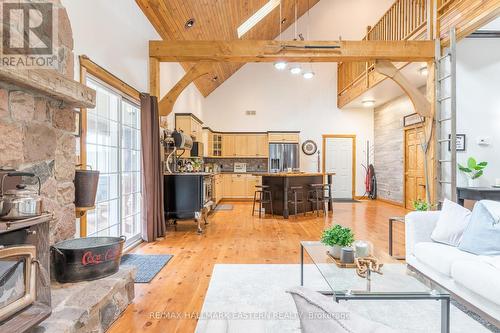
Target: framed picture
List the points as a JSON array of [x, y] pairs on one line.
[[78, 124], [460, 142], [412, 119]]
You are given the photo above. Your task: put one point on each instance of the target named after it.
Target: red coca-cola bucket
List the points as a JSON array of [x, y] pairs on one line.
[[89, 258]]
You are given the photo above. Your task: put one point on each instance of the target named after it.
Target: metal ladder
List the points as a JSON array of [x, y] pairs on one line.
[[446, 121]]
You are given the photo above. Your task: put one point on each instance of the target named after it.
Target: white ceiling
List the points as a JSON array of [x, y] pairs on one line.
[[387, 90]]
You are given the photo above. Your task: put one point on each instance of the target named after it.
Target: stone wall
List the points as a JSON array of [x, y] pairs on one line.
[[36, 136]]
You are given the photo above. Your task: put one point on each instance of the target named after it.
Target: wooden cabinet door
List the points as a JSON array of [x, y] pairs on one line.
[[290, 137], [238, 185], [240, 145], [227, 185], [262, 146], [228, 145], [251, 182], [251, 145], [414, 167]]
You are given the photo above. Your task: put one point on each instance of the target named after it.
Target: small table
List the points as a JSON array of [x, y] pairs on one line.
[[393, 219], [477, 193], [344, 284]]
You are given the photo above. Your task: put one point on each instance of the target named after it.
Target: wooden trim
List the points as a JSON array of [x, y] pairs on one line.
[[189, 115], [154, 77], [83, 146], [353, 137], [391, 202], [107, 77]]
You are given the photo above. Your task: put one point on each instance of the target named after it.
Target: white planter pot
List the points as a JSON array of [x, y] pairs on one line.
[[335, 251], [471, 182]]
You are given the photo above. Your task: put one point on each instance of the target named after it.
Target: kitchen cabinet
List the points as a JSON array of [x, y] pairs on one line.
[[218, 188], [262, 145], [189, 124], [228, 145], [239, 185], [242, 145], [284, 137]]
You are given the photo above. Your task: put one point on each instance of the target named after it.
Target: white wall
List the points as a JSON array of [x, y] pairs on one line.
[[285, 102], [478, 104]]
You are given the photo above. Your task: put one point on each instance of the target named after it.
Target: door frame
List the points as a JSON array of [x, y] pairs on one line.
[[405, 129], [344, 136]]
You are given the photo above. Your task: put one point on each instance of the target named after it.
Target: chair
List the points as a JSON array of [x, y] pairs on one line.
[[317, 196], [297, 198], [259, 196]]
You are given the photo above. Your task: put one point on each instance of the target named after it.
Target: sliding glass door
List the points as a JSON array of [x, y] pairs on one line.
[[114, 148]]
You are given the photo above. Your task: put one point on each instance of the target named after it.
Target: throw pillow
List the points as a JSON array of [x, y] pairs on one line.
[[451, 224], [482, 236], [319, 313]]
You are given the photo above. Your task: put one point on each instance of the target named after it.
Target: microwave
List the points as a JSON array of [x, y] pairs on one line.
[[197, 149]]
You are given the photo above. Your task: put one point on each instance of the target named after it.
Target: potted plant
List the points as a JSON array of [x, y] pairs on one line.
[[336, 238], [420, 205], [473, 170]]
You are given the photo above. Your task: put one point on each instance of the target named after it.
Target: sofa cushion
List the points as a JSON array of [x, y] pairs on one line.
[[482, 236], [451, 223], [319, 313], [440, 257], [479, 277]]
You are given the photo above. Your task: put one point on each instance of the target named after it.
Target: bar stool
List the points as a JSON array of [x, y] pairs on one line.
[[259, 196], [297, 198], [317, 196]]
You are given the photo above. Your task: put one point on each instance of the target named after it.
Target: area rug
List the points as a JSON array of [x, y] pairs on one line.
[[252, 298], [347, 200], [148, 265], [224, 207]]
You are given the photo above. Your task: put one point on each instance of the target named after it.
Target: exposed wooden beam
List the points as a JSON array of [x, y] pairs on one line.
[[243, 51], [166, 104], [154, 77], [420, 102]]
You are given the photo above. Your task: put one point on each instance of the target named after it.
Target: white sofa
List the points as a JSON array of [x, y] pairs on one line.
[[475, 279]]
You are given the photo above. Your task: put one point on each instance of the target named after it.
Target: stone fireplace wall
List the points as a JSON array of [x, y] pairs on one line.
[[36, 135]]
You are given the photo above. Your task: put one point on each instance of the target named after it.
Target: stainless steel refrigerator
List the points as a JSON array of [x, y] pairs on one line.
[[283, 156]]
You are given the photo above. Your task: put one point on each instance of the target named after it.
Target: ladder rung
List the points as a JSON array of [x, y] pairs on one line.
[[444, 98], [445, 182], [444, 161], [444, 57], [444, 140], [444, 119], [444, 77]]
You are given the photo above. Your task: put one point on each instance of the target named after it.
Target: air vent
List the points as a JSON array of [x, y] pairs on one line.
[[250, 112]]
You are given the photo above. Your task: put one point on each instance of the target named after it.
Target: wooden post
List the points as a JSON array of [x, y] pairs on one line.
[[83, 146], [154, 77], [431, 132]]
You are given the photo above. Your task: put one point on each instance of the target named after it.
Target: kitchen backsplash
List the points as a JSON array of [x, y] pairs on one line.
[[227, 164]]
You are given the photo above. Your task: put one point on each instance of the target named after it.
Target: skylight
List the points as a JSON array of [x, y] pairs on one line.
[[257, 17]]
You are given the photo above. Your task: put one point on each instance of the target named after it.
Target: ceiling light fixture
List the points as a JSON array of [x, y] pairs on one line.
[[368, 103], [308, 75], [295, 70], [280, 65], [257, 17], [424, 71], [189, 23]]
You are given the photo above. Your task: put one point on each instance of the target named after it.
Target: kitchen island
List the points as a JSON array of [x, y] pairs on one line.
[[280, 183]]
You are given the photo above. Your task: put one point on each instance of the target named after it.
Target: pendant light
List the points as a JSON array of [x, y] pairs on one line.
[[295, 70], [280, 65]]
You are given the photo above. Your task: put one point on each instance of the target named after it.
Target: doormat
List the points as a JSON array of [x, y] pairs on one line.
[[224, 207], [345, 200], [148, 265]]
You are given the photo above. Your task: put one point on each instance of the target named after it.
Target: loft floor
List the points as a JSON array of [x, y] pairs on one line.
[[235, 237]]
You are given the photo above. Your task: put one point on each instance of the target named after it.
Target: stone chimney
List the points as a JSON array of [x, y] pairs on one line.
[[37, 129]]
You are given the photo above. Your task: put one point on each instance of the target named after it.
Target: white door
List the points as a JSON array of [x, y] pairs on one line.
[[338, 159]]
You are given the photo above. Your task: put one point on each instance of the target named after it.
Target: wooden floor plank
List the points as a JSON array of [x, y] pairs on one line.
[[235, 237]]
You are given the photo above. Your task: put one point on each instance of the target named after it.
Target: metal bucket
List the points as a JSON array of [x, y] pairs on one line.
[[83, 259], [86, 182]]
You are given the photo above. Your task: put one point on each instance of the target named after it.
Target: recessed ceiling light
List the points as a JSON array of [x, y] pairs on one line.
[[295, 70], [368, 103], [257, 17], [189, 23], [308, 75], [423, 70], [280, 65]]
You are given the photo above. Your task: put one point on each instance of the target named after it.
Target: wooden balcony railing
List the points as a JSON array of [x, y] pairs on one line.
[[405, 19]]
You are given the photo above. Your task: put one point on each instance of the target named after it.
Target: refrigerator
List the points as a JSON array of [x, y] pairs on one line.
[[283, 156]]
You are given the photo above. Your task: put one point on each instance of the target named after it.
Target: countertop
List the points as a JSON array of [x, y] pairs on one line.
[[295, 174]]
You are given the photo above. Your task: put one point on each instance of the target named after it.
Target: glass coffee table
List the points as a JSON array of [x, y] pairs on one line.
[[393, 284]]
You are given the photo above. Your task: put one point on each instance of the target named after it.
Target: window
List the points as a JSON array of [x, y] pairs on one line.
[[114, 148]]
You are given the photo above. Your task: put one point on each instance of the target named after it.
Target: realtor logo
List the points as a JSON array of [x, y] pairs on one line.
[[28, 31]]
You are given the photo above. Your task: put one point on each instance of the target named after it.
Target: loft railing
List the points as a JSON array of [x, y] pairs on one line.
[[405, 19]]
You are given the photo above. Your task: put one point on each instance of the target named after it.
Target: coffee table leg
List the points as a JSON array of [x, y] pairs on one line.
[[445, 315], [301, 265]]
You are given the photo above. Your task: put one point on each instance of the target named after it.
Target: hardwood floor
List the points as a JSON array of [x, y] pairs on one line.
[[235, 237]]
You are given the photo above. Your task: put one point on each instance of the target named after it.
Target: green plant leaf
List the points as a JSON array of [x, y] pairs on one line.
[[483, 164], [477, 174], [471, 162], [463, 169]]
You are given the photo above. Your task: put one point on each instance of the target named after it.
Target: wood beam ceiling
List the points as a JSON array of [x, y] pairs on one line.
[[218, 20], [242, 51]]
